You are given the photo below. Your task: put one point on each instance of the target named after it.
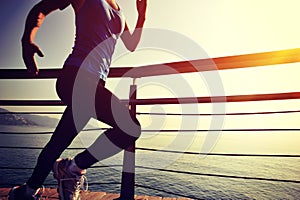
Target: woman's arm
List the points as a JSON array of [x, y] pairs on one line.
[[34, 20], [131, 40]]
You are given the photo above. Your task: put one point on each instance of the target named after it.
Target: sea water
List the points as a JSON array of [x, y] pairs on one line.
[[105, 174]]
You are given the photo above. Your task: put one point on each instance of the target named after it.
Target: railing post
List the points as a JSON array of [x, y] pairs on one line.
[[128, 173]]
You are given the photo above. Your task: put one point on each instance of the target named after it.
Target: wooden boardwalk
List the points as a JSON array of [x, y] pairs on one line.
[[51, 194]]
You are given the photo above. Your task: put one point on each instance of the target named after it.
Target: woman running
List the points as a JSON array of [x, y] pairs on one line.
[[81, 86]]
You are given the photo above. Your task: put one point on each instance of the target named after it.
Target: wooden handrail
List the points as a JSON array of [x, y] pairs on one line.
[[201, 65], [184, 100]]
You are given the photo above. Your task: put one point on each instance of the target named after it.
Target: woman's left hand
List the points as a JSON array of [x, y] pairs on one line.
[[141, 7]]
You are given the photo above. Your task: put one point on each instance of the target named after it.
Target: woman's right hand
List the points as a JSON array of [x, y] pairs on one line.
[[28, 51]]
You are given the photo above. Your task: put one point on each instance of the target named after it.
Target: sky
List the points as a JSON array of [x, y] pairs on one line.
[[220, 28], [214, 28]]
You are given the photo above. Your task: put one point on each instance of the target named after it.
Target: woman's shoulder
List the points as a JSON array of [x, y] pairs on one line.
[[76, 4]]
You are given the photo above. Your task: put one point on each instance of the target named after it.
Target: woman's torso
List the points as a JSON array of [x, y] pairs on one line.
[[98, 26]]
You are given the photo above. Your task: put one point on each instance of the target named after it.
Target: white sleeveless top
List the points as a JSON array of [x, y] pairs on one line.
[[98, 26]]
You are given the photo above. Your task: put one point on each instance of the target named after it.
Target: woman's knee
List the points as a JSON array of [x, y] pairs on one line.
[[132, 132], [128, 126], [122, 138]]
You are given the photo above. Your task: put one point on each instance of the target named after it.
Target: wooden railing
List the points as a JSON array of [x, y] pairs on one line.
[[194, 66]]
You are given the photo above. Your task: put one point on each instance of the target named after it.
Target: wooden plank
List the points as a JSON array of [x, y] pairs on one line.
[[110, 197], [155, 198], [4, 192], [141, 197], [51, 194], [92, 195]]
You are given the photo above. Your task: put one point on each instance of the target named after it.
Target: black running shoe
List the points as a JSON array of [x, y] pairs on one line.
[[19, 193]]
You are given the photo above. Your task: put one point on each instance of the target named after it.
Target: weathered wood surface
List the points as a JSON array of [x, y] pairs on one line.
[[51, 194]]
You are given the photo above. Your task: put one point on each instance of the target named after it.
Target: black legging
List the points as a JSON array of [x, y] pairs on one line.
[[108, 109]]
